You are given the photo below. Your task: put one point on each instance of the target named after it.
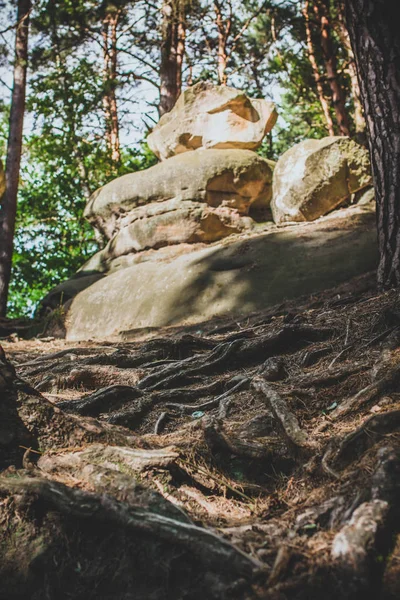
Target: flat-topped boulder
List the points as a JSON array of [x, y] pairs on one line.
[[316, 176], [223, 181], [233, 278], [210, 116]]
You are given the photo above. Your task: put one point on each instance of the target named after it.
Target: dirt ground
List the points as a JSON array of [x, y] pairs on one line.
[[251, 459]]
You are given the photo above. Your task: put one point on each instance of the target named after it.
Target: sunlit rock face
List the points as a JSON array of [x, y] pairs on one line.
[[224, 180], [232, 278], [192, 238], [2, 180], [197, 197], [210, 116], [316, 176]]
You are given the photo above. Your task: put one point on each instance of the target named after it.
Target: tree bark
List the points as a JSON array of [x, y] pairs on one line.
[[172, 53], [374, 35], [109, 33], [321, 10], [14, 148], [317, 78], [224, 30]]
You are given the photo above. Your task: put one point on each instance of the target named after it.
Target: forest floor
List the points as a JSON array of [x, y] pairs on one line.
[[248, 459]]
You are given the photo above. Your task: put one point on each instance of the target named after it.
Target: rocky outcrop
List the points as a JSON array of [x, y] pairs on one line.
[[209, 116], [191, 238], [220, 182], [170, 223], [230, 279], [198, 197], [316, 176]]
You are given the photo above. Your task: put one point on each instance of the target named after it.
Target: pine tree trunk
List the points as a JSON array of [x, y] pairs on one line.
[[172, 53], [9, 202], [374, 34], [315, 70], [224, 29], [109, 33], [321, 10]]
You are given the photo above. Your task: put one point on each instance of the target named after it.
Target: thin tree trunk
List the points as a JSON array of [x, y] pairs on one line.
[[180, 53], [9, 203], [374, 34], [172, 53], [359, 121], [317, 78], [321, 10], [109, 33], [224, 29]]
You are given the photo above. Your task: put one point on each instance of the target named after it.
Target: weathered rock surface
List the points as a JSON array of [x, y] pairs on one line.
[[233, 278], [159, 199], [212, 116], [2, 180], [316, 176], [170, 223]]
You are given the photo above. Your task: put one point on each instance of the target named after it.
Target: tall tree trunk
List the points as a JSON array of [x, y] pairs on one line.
[[316, 74], [321, 10], [224, 28], [374, 35], [359, 121], [172, 53], [8, 208], [109, 33]]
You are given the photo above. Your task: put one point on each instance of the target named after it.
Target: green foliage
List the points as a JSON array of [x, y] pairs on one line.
[[53, 239], [65, 157]]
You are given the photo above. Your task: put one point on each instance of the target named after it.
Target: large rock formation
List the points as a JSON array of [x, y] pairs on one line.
[[192, 238], [316, 176], [208, 116], [229, 279]]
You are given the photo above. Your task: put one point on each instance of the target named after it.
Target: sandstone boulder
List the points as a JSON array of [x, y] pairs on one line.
[[172, 222], [212, 116], [2, 180], [229, 279], [222, 179], [316, 176]]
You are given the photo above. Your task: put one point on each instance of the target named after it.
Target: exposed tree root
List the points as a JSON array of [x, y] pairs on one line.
[[104, 400], [122, 459], [362, 545], [285, 418], [340, 453], [209, 549], [237, 352], [218, 467], [160, 423], [369, 393], [218, 401]]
